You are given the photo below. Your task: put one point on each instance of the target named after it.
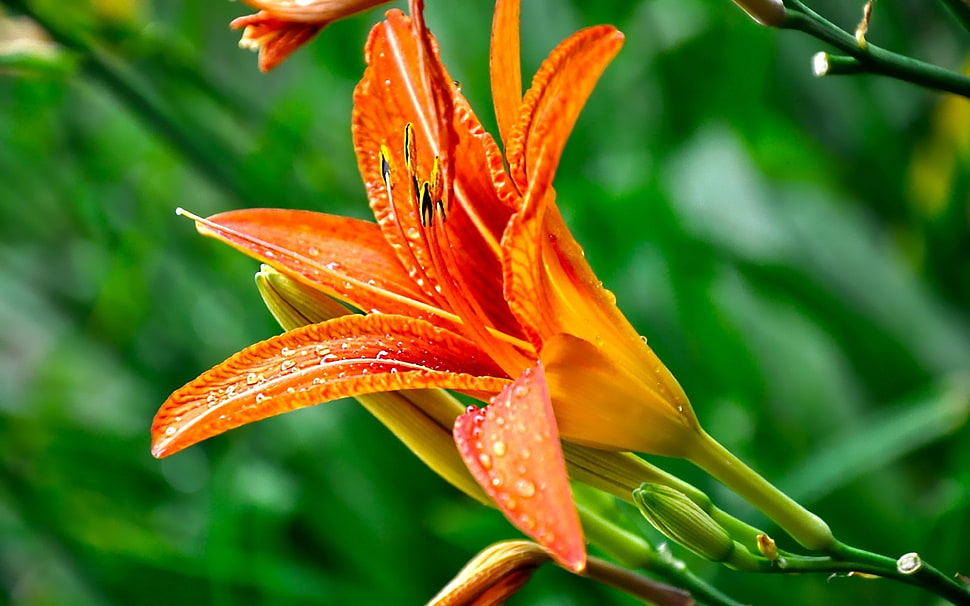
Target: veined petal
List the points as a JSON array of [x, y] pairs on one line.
[[512, 448], [505, 66], [457, 258], [343, 357], [343, 257], [602, 403], [549, 110], [274, 38]]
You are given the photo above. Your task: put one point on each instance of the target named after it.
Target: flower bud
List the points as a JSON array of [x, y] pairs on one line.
[[492, 576], [765, 12], [293, 304], [683, 521]]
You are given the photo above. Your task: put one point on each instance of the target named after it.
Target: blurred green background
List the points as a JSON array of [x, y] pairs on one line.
[[796, 249]]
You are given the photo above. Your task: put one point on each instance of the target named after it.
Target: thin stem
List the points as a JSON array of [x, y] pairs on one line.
[[875, 59], [653, 592], [925, 576], [804, 526], [960, 10], [634, 552]]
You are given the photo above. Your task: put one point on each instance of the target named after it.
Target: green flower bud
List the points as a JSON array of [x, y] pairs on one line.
[[292, 303], [683, 521]]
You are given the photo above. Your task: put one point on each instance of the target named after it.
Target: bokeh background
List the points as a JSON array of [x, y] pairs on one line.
[[796, 249]]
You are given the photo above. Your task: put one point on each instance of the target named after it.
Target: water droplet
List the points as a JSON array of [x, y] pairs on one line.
[[345, 345], [525, 488], [499, 448], [287, 364], [329, 358], [520, 391], [170, 431], [525, 453], [260, 397], [313, 251], [644, 339], [230, 390], [393, 371], [382, 354], [286, 351], [527, 521], [333, 265], [320, 350], [485, 460], [496, 481], [252, 379], [290, 390]]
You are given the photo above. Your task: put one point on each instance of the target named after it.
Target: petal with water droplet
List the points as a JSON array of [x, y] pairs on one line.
[[259, 382], [532, 490]]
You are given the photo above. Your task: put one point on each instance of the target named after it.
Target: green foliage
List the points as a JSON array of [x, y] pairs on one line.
[[795, 249]]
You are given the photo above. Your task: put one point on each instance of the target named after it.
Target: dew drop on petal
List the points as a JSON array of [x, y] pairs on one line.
[[499, 448], [260, 397], [320, 350], [525, 488], [287, 364], [170, 431], [520, 391], [286, 351], [485, 460], [313, 251], [252, 378]]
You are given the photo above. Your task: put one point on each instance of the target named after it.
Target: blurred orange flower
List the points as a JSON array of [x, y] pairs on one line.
[[282, 26]]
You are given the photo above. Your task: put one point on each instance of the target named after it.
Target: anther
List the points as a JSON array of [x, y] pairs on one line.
[[386, 166], [426, 206]]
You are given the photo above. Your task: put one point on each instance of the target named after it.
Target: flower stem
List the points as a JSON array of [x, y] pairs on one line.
[[875, 60], [804, 526], [634, 552], [960, 10]]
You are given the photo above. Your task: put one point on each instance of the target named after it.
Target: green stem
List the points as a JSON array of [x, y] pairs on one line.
[[804, 526], [652, 592], [634, 552], [875, 59], [960, 10], [925, 576]]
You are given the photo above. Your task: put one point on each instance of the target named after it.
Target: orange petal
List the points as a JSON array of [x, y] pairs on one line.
[[313, 11], [512, 448], [347, 356], [550, 107], [343, 257], [602, 402], [395, 91], [505, 66], [274, 38]]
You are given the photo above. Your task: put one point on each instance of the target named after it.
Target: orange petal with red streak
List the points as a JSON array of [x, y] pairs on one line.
[[512, 448], [343, 357], [505, 66], [551, 106], [399, 89], [343, 257]]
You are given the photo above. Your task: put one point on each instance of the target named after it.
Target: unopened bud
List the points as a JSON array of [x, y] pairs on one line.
[[765, 12], [292, 303], [494, 575], [683, 521]]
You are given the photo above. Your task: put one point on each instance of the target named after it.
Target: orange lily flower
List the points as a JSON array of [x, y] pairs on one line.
[[282, 26], [470, 279]]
